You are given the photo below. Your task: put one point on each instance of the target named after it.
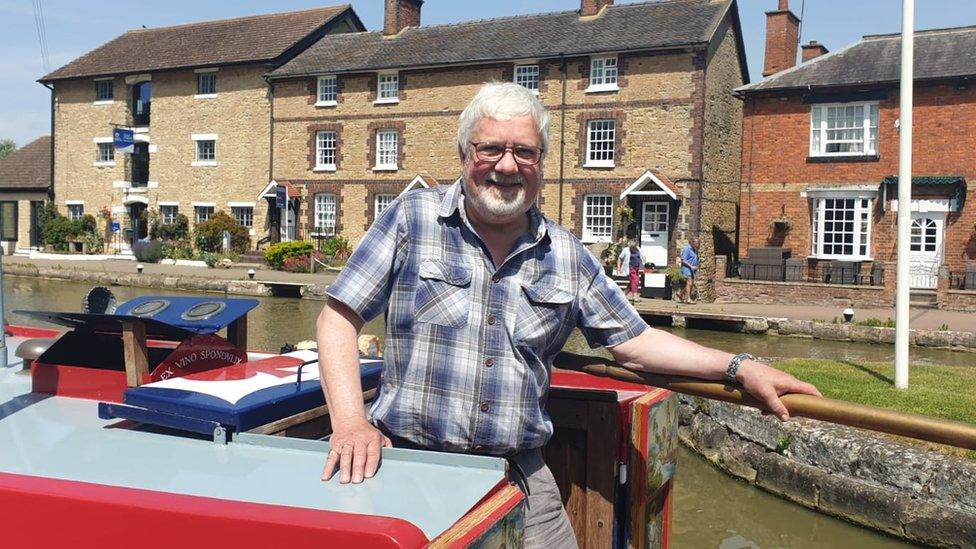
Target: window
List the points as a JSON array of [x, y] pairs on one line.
[[842, 228], [528, 76], [924, 235], [202, 213], [381, 203], [328, 91], [325, 150], [206, 150], [597, 218], [76, 211], [388, 88], [386, 149], [325, 214], [104, 91], [168, 214], [600, 137], [8, 221], [106, 153], [207, 83], [244, 215], [849, 129], [603, 74]]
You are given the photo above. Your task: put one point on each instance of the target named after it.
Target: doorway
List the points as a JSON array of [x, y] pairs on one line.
[[927, 248], [654, 232]]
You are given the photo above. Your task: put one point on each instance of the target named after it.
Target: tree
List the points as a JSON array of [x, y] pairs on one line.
[[7, 146]]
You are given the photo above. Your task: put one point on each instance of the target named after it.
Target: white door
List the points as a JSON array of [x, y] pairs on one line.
[[927, 248], [288, 224], [654, 233]]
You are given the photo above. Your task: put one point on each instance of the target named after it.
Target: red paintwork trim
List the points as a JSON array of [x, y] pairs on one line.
[[29, 331], [44, 512], [582, 380], [79, 382]]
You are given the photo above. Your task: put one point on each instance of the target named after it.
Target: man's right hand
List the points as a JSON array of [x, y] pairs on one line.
[[355, 452]]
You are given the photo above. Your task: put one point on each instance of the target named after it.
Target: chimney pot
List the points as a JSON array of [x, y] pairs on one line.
[[784, 5], [590, 8], [400, 14]]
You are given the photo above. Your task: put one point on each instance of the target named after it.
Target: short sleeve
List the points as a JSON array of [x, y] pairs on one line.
[[606, 317], [366, 282]]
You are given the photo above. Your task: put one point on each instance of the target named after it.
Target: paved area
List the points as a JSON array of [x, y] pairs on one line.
[[922, 318]]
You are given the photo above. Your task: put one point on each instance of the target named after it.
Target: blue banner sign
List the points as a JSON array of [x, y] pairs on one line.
[[280, 194], [116, 226], [124, 140]]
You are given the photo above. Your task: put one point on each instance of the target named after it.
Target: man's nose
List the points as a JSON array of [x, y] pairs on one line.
[[506, 164]]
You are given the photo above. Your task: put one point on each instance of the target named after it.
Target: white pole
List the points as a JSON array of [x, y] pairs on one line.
[[904, 193]]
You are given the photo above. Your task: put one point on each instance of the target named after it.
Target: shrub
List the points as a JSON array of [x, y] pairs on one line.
[[211, 259], [276, 254], [177, 249], [209, 234], [86, 224], [876, 323], [148, 252], [299, 263], [336, 247], [178, 230], [94, 242]]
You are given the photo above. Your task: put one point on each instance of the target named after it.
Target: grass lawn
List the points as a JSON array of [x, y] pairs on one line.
[[947, 392]]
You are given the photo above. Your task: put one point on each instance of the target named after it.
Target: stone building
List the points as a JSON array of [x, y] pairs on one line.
[[25, 183], [821, 148], [196, 99], [640, 96]]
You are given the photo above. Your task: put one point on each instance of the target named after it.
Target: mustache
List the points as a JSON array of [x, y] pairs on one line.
[[504, 179]]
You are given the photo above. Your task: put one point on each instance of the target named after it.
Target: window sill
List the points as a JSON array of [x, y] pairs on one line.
[[204, 163], [391, 101], [605, 240], [839, 258], [205, 96], [602, 88], [844, 158], [104, 102], [603, 165], [327, 104], [104, 164], [385, 168], [325, 168], [320, 234]]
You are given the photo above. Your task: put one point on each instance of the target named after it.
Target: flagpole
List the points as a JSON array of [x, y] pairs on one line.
[[904, 193]]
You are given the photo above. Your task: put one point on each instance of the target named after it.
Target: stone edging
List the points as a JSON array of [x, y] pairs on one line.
[[873, 334], [908, 492]]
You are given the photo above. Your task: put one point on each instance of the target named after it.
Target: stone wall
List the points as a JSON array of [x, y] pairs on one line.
[[922, 496]]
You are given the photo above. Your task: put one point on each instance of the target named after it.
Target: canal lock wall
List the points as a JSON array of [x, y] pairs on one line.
[[906, 491]]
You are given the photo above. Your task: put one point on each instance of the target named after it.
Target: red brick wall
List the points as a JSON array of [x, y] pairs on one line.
[[776, 168], [782, 29]]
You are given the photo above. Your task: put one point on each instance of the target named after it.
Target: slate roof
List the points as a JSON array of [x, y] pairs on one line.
[[644, 26], [876, 59], [258, 38], [27, 168]]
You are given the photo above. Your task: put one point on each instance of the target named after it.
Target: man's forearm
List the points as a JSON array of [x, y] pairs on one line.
[[664, 353], [337, 332]]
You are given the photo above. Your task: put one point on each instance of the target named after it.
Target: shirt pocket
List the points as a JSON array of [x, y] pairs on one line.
[[443, 293], [543, 313]]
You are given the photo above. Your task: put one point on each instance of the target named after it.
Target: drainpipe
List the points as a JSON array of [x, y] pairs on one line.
[[562, 135], [271, 98], [50, 191]]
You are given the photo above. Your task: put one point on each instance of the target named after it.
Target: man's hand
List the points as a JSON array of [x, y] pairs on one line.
[[767, 384], [355, 452]]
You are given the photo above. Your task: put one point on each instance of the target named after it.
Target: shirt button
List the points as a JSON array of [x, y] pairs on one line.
[[484, 406], [489, 362], [495, 279], [491, 320]]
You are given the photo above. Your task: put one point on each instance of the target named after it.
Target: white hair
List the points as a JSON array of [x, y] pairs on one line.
[[503, 101]]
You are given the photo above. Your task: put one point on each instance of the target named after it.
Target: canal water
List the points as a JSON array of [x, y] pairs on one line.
[[710, 508]]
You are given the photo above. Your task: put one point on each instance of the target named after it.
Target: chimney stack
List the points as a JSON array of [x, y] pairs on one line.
[[589, 8], [400, 14], [812, 50], [782, 35]]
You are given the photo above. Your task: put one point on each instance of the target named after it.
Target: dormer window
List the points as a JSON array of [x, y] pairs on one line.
[[603, 74], [388, 88]]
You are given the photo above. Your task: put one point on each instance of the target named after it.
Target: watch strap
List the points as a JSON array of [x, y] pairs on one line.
[[734, 365]]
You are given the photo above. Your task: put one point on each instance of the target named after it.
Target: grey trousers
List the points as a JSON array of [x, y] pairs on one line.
[[546, 522]]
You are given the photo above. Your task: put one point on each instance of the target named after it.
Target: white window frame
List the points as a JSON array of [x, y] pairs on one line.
[[322, 158], [102, 143], [197, 207], [199, 138], [383, 87], [100, 82], [323, 85], [609, 129], [862, 211], [201, 74], [76, 209], [172, 208], [381, 202], [819, 120], [590, 203], [604, 74], [243, 215], [326, 211], [525, 74], [386, 154]]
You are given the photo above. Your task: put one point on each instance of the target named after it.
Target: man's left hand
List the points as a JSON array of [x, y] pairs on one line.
[[767, 384]]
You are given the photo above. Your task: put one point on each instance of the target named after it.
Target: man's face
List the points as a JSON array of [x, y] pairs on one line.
[[500, 192]]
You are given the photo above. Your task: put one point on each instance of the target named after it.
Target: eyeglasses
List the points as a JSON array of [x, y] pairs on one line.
[[524, 155]]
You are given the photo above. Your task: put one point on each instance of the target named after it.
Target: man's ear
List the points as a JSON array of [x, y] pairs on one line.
[[461, 154]]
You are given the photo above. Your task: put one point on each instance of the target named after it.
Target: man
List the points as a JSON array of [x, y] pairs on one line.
[[689, 270], [480, 293]]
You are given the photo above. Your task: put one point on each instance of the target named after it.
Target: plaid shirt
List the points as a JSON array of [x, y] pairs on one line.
[[469, 347]]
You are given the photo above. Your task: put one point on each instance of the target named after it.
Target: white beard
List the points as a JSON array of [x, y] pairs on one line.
[[498, 201]]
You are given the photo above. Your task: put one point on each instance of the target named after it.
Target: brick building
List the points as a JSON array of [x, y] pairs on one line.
[[199, 106], [25, 183], [820, 152], [639, 94]]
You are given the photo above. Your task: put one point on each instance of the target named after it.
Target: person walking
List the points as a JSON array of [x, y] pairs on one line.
[[629, 263], [689, 270]]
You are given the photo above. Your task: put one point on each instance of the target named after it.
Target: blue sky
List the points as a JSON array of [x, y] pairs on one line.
[[75, 27]]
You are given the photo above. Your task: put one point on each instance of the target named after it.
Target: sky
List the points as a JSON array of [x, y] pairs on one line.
[[74, 27]]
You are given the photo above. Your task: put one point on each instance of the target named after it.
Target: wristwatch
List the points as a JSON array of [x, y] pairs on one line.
[[734, 364]]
